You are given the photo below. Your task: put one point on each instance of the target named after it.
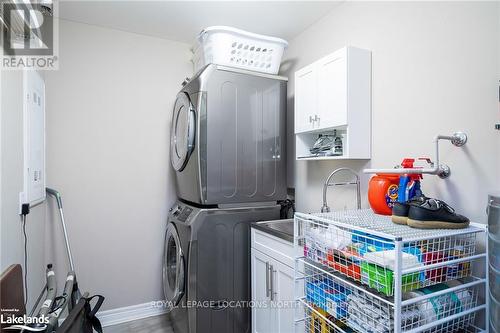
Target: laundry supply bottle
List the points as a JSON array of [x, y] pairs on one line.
[[383, 193], [409, 184]]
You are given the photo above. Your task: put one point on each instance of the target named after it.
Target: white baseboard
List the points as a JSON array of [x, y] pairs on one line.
[[129, 313]]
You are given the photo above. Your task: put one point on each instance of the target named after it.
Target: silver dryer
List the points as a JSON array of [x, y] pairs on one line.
[[228, 137]]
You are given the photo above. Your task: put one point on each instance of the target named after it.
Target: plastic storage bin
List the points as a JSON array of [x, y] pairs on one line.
[[382, 279], [344, 264], [238, 48], [328, 296]]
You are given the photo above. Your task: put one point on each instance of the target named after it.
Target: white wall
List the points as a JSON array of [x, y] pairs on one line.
[[12, 239], [434, 70], [108, 122]]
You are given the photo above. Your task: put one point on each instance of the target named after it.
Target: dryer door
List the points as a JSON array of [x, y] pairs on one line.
[[182, 134], [173, 268]]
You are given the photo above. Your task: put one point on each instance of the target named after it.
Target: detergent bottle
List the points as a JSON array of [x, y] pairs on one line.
[[409, 184], [383, 193]]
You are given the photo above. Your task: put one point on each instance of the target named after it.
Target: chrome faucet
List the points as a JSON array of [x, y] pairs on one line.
[[325, 208]]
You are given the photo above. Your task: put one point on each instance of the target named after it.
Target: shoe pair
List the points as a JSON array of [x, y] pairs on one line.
[[427, 213]]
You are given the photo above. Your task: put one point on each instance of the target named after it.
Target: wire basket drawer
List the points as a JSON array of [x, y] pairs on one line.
[[370, 257], [331, 305], [359, 272]]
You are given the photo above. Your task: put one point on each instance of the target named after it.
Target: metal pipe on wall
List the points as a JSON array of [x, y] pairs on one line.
[[458, 139]]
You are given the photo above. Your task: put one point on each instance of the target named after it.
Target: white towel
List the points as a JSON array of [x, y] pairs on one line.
[[387, 259]]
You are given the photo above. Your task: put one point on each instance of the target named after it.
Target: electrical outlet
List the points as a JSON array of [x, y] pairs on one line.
[[22, 200]]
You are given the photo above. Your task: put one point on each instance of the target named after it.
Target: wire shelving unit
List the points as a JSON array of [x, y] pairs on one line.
[[356, 271]]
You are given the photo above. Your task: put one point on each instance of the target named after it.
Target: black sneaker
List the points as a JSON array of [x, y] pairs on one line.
[[400, 209], [435, 214]]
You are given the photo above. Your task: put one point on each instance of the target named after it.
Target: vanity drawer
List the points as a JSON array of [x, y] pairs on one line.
[[273, 246]]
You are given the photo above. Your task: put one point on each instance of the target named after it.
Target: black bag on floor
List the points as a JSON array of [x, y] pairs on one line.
[[82, 317]]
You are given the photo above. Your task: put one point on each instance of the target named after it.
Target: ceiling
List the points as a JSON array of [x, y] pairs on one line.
[[183, 20]]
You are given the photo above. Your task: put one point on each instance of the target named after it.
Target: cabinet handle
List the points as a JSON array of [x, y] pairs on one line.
[[267, 278], [271, 278]]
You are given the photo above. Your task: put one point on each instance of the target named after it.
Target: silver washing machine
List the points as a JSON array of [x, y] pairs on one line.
[[228, 137], [206, 265]]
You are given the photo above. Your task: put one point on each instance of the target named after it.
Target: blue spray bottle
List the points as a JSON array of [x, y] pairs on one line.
[[409, 184]]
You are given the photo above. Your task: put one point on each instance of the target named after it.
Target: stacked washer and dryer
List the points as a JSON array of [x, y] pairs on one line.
[[228, 151]]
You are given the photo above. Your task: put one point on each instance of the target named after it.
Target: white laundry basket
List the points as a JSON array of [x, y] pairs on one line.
[[237, 48]]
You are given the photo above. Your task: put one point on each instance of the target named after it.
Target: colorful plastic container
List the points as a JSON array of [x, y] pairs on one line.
[[344, 264], [328, 296], [382, 280], [383, 193]]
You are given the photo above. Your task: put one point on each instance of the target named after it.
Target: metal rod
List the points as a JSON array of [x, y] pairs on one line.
[[57, 195], [328, 321], [441, 292], [342, 184], [271, 281], [456, 232], [267, 278], [44, 289], [487, 278], [68, 249], [446, 319], [444, 263], [347, 282], [398, 290], [401, 171], [458, 139], [329, 221]]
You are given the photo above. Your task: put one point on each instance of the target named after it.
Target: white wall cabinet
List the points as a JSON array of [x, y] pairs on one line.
[[334, 93], [305, 83], [272, 284]]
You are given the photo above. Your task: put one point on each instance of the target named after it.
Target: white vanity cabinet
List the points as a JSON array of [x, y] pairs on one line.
[[334, 93], [272, 278]]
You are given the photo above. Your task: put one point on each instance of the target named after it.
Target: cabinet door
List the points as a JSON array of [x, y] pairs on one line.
[[262, 316], [305, 98], [332, 90], [283, 283]]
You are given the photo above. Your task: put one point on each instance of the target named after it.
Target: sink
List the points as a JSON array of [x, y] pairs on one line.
[[280, 228]]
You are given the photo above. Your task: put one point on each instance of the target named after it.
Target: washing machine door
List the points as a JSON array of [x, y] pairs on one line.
[[182, 134], [173, 268]]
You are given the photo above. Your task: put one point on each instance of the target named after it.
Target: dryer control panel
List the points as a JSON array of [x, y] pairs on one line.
[[181, 212], [184, 214]]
